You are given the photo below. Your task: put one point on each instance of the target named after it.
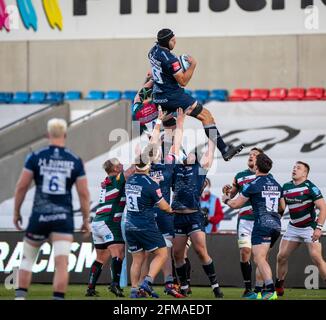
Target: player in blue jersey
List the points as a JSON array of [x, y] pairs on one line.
[[169, 80], [188, 185], [54, 169], [141, 231], [162, 169], [265, 195]]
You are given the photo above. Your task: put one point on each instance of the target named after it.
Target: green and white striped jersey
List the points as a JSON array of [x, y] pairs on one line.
[[300, 200]]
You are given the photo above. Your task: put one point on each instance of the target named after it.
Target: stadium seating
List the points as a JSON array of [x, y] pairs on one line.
[[37, 97], [112, 95], [95, 95], [277, 94], [6, 97], [218, 95], [314, 94], [20, 97], [73, 95], [295, 94], [240, 95], [200, 95], [54, 97], [258, 95], [129, 94]]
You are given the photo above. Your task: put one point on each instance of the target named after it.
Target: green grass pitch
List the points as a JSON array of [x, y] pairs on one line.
[[77, 292]]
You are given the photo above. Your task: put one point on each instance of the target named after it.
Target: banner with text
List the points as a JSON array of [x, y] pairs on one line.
[[103, 19]]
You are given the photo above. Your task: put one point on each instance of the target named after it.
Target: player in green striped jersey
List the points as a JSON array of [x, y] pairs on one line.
[[302, 198], [106, 226], [245, 219]]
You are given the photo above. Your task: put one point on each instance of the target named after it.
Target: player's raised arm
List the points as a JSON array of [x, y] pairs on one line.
[[175, 148], [157, 129], [208, 157]]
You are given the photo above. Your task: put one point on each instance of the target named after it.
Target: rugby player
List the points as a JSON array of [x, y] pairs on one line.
[[188, 221], [162, 169], [264, 194], [54, 169], [106, 226], [302, 198], [245, 221], [141, 231], [169, 80]]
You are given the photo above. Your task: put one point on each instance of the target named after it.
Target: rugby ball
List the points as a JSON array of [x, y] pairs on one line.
[[184, 62]]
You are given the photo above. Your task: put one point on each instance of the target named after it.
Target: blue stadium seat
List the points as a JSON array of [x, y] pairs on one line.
[[218, 95], [112, 95], [37, 97], [20, 97], [6, 97], [54, 97], [95, 95], [73, 95], [201, 95], [129, 94]]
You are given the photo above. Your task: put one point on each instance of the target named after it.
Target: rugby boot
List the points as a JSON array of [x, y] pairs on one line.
[[91, 293], [115, 288], [231, 151], [171, 290], [147, 288]]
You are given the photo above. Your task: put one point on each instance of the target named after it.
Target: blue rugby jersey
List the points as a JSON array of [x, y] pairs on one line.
[[187, 186], [55, 171], [264, 193]]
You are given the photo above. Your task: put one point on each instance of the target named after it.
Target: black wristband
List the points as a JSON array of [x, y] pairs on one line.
[[227, 200]]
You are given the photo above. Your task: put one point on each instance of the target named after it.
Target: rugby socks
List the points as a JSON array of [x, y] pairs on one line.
[[95, 272], [213, 134], [188, 266], [279, 283], [149, 280], [270, 285], [174, 271], [58, 296], [20, 294], [182, 275], [116, 267], [259, 286], [246, 270], [211, 274], [168, 279]]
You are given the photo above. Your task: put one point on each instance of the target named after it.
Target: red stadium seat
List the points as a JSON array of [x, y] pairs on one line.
[[314, 94], [258, 95], [295, 94], [240, 95], [324, 96], [277, 94]]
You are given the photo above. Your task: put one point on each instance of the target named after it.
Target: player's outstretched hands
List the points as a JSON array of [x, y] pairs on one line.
[[18, 221], [192, 60], [161, 114], [226, 189], [180, 117]]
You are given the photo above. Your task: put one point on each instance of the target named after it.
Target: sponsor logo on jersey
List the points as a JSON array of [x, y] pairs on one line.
[[176, 66]]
